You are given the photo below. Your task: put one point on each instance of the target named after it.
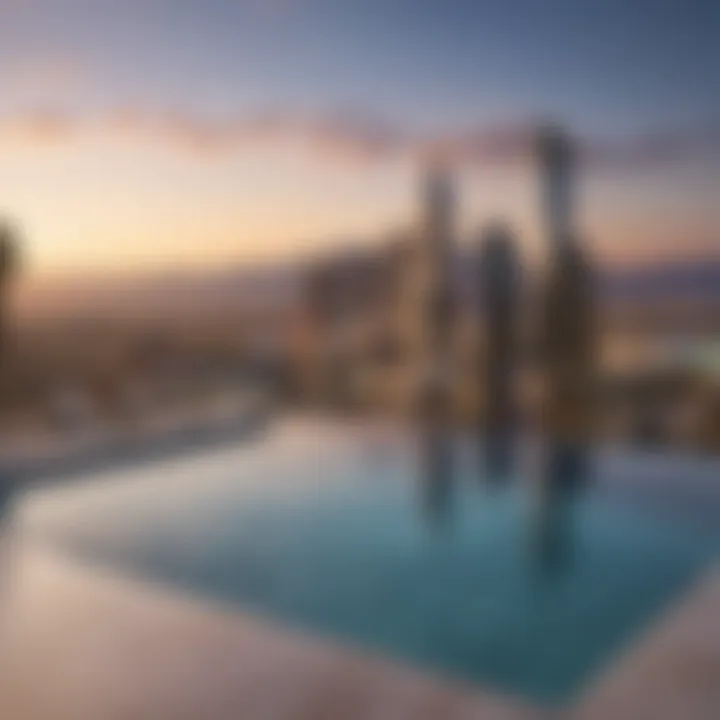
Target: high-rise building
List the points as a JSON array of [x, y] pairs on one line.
[[498, 280], [439, 209], [433, 275], [556, 165]]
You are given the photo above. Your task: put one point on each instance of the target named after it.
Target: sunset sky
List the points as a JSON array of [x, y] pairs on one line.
[[142, 134]]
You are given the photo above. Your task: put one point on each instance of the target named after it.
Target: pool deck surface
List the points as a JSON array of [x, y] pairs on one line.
[[674, 673], [78, 645]]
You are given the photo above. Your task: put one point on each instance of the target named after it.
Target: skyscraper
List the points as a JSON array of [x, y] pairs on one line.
[[568, 321], [434, 268], [556, 160], [498, 279]]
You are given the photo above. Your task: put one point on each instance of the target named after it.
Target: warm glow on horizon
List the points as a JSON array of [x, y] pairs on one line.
[[116, 205], [113, 204]]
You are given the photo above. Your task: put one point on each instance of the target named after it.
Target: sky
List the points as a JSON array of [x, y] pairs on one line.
[[142, 134]]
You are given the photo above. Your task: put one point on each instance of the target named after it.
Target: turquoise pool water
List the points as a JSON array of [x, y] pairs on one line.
[[325, 529]]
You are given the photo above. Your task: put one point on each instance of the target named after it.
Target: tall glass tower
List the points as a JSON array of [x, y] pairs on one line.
[[498, 278], [556, 160], [432, 281]]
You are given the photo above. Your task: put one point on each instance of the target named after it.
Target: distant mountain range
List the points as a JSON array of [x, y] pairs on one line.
[[158, 296], [683, 281], [279, 286], [696, 280]]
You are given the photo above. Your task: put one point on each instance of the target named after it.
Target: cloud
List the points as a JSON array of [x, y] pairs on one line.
[[37, 128], [354, 137], [342, 137]]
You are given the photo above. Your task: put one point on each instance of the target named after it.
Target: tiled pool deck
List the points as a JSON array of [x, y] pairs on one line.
[[78, 645], [674, 674]]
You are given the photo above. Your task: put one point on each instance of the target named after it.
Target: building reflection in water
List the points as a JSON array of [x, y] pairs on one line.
[[436, 473], [563, 475]]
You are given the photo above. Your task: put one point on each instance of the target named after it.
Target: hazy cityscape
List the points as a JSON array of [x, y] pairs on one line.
[[340, 330]]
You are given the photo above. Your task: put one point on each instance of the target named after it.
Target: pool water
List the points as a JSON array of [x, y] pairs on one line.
[[327, 530]]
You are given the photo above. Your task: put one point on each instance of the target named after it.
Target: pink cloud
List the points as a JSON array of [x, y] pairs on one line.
[[353, 138]]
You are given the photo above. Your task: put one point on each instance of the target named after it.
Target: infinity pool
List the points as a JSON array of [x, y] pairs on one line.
[[328, 529]]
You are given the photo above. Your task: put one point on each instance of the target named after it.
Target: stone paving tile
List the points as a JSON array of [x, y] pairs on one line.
[[80, 645]]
